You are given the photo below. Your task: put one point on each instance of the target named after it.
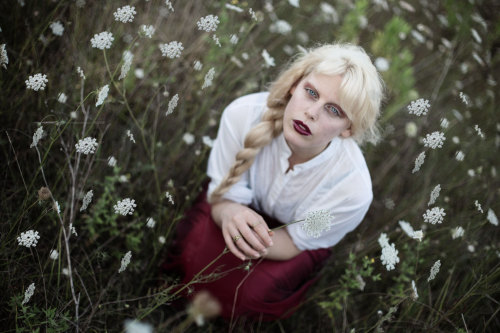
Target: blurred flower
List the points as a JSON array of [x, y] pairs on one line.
[[208, 78], [125, 261], [235, 8], [125, 14], [406, 227], [123, 179], [80, 3], [479, 132], [43, 193], [234, 39], [147, 30], [434, 215], [128, 57], [139, 73], [125, 206], [434, 140], [294, 3], [414, 294], [57, 28], [280, 27], [459, 155], [457, 232], [188, 138], [418, 235], [389, 203], [491, 217], [87, 199], [86, 146], [36, 82], [207, 141], [37, 136], [65, 271], [28, 293], [208, 23], [102, 40], [4, 59], [434, 194], [418, 162], [150, 222], [465, 99], [476, 36], [418, 36], [406, 6], [161, 239], [72, 229], [57, 207], [172, 104], [197, 65], [471, 248], [382, 64], [383, 240], [328, 13], [204, 306], [317, 222], [28, 238], [455, 139], [62, 98], [419, 107], [411, 129], [444, 123], [169, 5], [361, 282], [134, 326], [253, 14], [103, 94], [434, 270], [389, 256], [80, 72], [267, 58], [130, 136], [171, 50], [111, 161], [170, 198], [478, 206], [54, 254]]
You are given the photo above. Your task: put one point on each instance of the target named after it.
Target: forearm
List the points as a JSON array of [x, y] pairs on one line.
[[283, 248]]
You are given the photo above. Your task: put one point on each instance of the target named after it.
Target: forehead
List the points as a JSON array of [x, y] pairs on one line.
[[327, 85]]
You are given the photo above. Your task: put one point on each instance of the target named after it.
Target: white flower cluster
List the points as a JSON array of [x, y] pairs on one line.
[[147, 30], [459, 155], [434, 270], [57, 28], [37, 136], [102, 40], [172, 104], [62, 98], [72, 229], [234, 39], [434, 215], [28, 238], [253, 14], [125, 14], [36, 82], [465, 99], [418, 235], [86, 145], [267, 58], [130, 136], [389, 255], [4, 59], [188, 138], [434, 194], [80, 72], [444, 123], [125, 206], [280, 27], [127, 62], [414, 294], [418, 162], [479, 132], [478, 206], [197, 65], [208, 78], [457, 232], [171, 50], [234, 8], [54, 254], [169, 5], [28, 293], [419, 107], [208, 23], [103, 93], [87, 199], [150, 222], [125, 261], [434, 140], [491, 217], [111, 161], [317, 222], [57, 207], [216, 40], [170, 198]]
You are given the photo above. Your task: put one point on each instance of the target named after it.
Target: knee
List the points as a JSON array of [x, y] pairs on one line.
[[258, 288]]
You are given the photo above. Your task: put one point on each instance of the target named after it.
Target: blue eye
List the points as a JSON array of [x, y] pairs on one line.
[[333, 109], [311, 92]]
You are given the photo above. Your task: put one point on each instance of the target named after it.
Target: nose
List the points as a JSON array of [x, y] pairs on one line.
[[312, 112]]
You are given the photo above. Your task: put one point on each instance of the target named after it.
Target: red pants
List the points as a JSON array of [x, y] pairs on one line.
[[268, 290]]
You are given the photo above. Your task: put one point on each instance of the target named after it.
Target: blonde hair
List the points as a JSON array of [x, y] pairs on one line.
[[360, 96]]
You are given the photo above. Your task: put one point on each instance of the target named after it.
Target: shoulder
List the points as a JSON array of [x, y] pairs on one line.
[[248, 106]]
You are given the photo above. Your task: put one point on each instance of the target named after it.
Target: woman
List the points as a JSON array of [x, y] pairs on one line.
[[279, 155]]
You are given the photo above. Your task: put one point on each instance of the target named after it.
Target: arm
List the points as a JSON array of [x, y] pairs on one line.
[[237, 219]]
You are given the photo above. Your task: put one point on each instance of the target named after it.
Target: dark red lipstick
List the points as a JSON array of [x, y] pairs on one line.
[[301, 128]]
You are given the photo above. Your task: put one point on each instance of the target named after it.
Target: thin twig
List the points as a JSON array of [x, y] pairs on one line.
[[17, 162]]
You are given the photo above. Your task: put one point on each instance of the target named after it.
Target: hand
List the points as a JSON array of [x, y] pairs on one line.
[[245, 232]]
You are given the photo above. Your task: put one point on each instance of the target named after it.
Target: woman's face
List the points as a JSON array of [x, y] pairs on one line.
[[313, 117]]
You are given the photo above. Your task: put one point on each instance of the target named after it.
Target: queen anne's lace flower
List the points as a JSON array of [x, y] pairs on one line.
[[103, 93], [147, 30], [235, 8], [434, 270], [4, 59], [130, 136], [197, 65], [111, 161], [125, 14], [383, 240], [389, 256], [414, 294], [459, 155], [208, 78], [434, 215], [491, 217], [57, 28], [267, 58], [188, 138], [419, 107], [161, 239], [169, 5], [172, 104], [36, 82], [478, 206], [28, 293], [28, 238], [457, 232], [125, 206], [169, 198], [465, 99], [418, 162], [80, 72], [418, 235], [479, 132], [125, 261], [150, 223], [128, 57], [86, 146], [62, 98], [37, 136], [54, 254], [317, 222], [171, 50], [207, 141], [434, 194], [434, 140], [102, 40], [406, 227], [208, 23], [87, 199], [280, 27]]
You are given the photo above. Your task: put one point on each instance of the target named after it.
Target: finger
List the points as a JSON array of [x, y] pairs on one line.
[[231, 246], [246, 248], [264, 232], [252, 239]]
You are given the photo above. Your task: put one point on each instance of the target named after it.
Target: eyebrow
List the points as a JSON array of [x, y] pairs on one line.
[[335, 104]]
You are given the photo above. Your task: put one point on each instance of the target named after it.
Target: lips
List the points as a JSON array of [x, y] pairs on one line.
[[301, 128]]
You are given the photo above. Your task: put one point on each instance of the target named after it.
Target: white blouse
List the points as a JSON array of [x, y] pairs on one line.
[[337, 179]]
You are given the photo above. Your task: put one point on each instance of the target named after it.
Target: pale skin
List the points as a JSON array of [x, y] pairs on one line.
[[314, 103]]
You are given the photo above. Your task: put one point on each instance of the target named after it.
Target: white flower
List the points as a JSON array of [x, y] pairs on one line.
[[197, 65], [86, 146], [389, 256], [103, 94], [280, 27], [457, 232], [234, 39], [471, 248], [150, 223], [478, 206], [479, 132], [459, 155], [455, 139], [169, 5], [208, 23], [62, 98], [72, 229], [434, 215], [57, 28], [383, 240], [471, 172], [54, 254], [188, 138], [208, 78], [434, 270], [65, 271], [139, 73], [4, 59], [130, 136], [125, 206], [216, 40], [418, 162], [434, 194], [57, 207], [147, 30], [407, 228], [434, 140], [419, 107], [418, 235], [329, 13], [465, 99], [111, 161], [125, 261], [207, 141], [382, 64], [253, 14], [87, 199], [134, 326], [317, 222], [28, 238], [127, 61], [235, 8], [161, 239], [125, 14], [411, 129], [123, 179], [267, 58], [414, 294], [294, 3], [169, 197], [172, 104], [491, 217], [171, 50], [36, 82], [102, 40], [80, 72], [37, 136], [28, 293]]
